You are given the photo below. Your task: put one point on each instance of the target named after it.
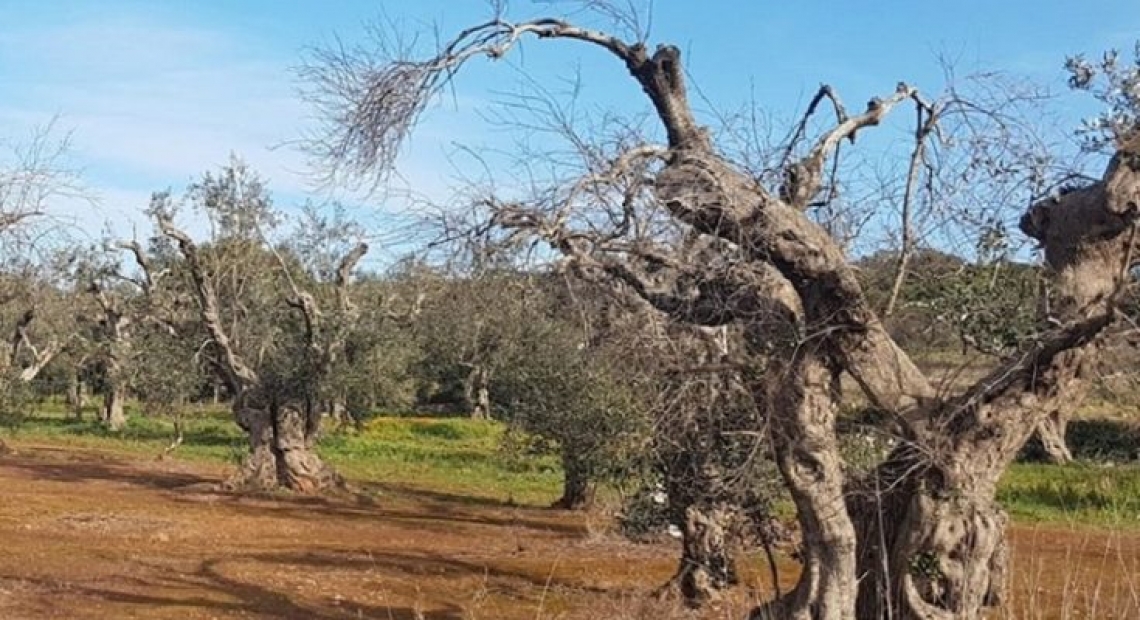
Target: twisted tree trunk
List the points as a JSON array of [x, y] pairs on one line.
[[708, 565], [282, 431], [282, 454], [921, 538], [926, 549], [802, 413]]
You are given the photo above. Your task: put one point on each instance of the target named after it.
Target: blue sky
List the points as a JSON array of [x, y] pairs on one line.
[[158, 91]]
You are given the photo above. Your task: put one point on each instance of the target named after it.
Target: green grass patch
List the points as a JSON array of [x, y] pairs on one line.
[[1075, 494], [466, 457], [444, 454], [450, 455], [209, 434]]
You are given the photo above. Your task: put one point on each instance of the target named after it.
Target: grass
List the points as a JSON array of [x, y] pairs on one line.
[[444, 454], [451, 455], [1075, 494], [466, 457]]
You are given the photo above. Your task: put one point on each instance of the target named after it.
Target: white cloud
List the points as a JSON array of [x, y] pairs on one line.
[[152, 105]]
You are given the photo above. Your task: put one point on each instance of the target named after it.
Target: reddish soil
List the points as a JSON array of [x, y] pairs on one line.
[[85, 535]]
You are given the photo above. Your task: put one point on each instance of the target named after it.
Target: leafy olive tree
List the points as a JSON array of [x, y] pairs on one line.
[[272, 327]]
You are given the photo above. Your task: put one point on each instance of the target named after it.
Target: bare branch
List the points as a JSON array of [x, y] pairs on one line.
[[804, 178], [344, 272], [825, 92], [40, 358], [143, 263], [370, 104], [926, 123], [11, 220], [237, 374]]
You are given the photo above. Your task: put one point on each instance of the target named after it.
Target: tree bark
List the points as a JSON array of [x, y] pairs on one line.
[[282, 455], [577, 487], [707, 566], [477, 393], [927, 550], [76, 396], [802, 414], [337, 410], [1051, 434], [114, 413]]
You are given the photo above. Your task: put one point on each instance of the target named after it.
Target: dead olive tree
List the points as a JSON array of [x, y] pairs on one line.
[[35, 310], [113, 323], [921, 536], [266, 333]]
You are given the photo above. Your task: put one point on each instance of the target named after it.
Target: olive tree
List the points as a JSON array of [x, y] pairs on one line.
[[35, 309], [921, 535], [271, 329], [561, 380]]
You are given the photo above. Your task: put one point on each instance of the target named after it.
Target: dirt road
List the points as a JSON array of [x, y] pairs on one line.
[[85, 535]]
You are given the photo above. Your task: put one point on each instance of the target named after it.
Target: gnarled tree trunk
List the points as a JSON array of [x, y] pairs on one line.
[[280, 418], [927, 550], [802, 413], [922, 537], [282, 454], [708, 565]]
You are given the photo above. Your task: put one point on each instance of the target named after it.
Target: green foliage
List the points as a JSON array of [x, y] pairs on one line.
[[946, 302], [1115, 83], [560, 391], [17, 399], [469, 325], [166, 372], [645, 514]]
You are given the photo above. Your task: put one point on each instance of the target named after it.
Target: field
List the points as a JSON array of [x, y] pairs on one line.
[[440, 524]]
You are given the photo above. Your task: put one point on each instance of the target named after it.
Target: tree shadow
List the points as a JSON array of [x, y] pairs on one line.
[[423, 514], [80, 467], [426, 564], [209, 589], [445, 510], [440, 496]]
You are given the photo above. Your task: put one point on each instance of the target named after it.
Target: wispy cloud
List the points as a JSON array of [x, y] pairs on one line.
[[152, 104]]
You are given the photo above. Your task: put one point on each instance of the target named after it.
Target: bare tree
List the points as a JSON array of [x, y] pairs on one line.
[[920, 536], [113, 339]]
